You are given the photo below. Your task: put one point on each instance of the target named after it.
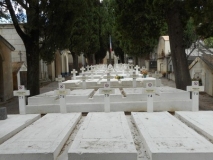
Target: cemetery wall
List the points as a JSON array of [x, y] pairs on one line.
[[9, 33]]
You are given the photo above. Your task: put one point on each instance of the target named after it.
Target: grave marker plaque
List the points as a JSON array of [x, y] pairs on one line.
[[74, 74], [107, 91], [60, 79], [62, 92], [22, 93], [150, 91], [195, 89]]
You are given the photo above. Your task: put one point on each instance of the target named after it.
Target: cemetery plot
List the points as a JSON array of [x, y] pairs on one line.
[[200, 121], [80, 95], [43, 140], [44, 98], [170, 93], [103, 136], [116, 96], [15, 123], [165, 137]]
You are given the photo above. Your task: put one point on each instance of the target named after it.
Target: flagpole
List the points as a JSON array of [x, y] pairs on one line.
[[110, 49]]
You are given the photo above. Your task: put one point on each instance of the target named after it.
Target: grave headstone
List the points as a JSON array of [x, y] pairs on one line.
[[3, 113], [60, 79], [134, 76], [74, 74], [82, 70], [195, 89], [62, 92], [22, 93], [88, 67], [150, 91], [92, 74], [84, 81], [107, 91], [137, 68]]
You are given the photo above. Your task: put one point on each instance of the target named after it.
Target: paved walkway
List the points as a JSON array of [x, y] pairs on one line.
[[206, 101]]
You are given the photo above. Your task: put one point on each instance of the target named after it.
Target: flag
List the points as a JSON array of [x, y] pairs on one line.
[[110, 44]]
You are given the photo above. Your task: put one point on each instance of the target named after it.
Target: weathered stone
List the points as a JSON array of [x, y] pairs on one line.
[[3, 113]]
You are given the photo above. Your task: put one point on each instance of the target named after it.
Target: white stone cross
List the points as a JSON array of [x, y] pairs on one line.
[[134, 76], [84, 86], [92, 73], [136, 67], [21, 93], [107, 91], [150, 91], [131, 66], [62, 92], [74, 74], [195, 88], [88, 67], [157, 75], [82, 70], [60, 79]]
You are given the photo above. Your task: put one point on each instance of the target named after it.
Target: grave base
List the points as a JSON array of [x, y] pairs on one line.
[[3, 113]]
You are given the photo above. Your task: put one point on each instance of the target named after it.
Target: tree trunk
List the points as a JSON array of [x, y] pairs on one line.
[[179, 60], [32, 68]]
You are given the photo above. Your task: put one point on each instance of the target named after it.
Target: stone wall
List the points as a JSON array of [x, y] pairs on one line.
[[9, 33]]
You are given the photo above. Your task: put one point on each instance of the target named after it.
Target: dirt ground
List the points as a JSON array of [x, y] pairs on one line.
[[206, 101]]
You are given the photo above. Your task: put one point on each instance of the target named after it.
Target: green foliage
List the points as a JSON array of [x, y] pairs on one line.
[[138, 29], [209, 42]]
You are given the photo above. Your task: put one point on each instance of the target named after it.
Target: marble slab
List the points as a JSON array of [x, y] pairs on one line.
[[103, 136], [14, 124], [79, 95], [172, 93], [116, 97], [167, 138], [43, 140], [200, 121]]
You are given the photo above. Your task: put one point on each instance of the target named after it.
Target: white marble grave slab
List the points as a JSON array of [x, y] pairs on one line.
[[113, 83], [116, 97], [79, 95], [15, 123], [43, 140], [172, 93], [200, 121], [103, 136], [167, 138], [76, 84], [44, 98]]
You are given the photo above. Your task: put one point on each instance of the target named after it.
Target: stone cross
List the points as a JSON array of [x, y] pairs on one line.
[[82, 70], [92, 73], [150, 91], [62, 92], [74, 74], [84, 86], [21, 93], [107, 91], [88, 67], [157, 75], [195, 88], [137, 68], [60, 79], [134, 76]]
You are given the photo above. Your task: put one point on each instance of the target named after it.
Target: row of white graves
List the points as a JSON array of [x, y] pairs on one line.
[[150, 90], [108, 136], [126, 99]]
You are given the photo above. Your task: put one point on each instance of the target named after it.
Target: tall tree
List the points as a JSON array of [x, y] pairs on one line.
[[45, 31]]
